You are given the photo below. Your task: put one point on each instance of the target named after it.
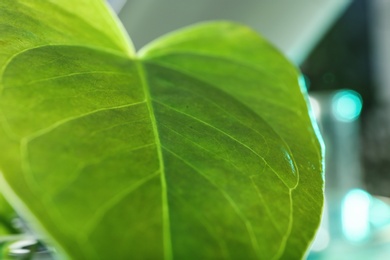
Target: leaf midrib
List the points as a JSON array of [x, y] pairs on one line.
[[167, 243]]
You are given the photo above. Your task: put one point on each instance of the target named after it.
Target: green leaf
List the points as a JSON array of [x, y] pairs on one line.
[[7, 214], [199, 147]]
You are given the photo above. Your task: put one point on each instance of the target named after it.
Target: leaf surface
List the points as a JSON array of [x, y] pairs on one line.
[[199, 147]]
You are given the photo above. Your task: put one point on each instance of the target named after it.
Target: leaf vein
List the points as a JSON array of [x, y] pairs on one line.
[[203, 148], [208, 226], [76, 174], [57, 124], [114, 201], [229, 114], [66, 76], [227, 135], [192, 75], [267, 210], [228, 198]]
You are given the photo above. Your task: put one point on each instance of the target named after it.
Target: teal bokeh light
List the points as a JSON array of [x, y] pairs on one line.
[[355, 215], [347, 105]]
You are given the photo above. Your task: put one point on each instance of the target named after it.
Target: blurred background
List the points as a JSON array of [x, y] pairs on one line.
[[343, 50]]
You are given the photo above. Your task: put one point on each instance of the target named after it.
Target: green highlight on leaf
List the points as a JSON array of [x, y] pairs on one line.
[[198, 147]]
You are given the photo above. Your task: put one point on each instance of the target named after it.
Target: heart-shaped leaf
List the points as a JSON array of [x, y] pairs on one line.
[[198, 147]]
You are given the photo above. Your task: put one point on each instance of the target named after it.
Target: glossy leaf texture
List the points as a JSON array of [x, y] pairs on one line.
[[198, 147]]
